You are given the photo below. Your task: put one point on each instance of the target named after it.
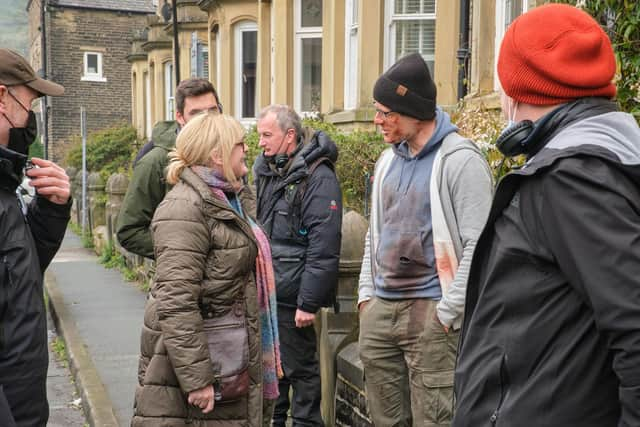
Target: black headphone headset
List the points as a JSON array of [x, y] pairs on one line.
[[525, 137], [280, 160], [514, 141]]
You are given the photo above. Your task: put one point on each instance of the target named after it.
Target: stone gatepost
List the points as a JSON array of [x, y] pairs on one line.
[[337, 330], [116, 189], [96, 200]]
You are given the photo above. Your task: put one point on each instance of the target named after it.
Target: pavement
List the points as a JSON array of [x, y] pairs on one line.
[[99, 316], [65, 407]]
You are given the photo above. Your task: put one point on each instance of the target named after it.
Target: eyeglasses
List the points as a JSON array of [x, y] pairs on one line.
[[385, 114]]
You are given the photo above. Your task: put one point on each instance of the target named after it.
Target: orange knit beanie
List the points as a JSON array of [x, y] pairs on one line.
[[554, 54]]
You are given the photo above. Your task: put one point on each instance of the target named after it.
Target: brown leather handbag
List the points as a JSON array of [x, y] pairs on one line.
[[228, 342]]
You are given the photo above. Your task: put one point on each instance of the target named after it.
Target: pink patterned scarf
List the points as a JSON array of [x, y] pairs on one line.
[[265, 281]]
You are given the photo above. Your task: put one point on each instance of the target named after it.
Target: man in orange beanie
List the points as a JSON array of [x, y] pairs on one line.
[[551, 332]]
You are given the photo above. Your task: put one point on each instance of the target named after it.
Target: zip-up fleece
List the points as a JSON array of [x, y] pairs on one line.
[[464, 184]]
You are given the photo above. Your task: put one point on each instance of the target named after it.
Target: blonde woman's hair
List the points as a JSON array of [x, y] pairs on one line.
[[204, 135]]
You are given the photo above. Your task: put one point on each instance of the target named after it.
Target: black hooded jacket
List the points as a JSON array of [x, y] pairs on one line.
[[302, 216], [551, 333], [27, 246]]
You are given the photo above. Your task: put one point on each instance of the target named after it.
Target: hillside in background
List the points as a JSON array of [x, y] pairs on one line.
[[14, 30]]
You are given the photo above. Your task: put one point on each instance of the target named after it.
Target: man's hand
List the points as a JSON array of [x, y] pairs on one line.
[[362, 305], [304, 319], [202, 398], [437, 319], [50, 181]]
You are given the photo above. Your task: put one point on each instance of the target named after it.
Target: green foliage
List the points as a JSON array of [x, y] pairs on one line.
[[108, 151], [36, 149], [621, 20], [483, 126], [60, 350]]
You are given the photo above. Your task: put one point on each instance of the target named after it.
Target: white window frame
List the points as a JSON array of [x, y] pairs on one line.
[[240, 28], [301, 33], [501, 6], [92, 77], [390, 19], [147, 119], [169, 90], [351, 54], [197, 53]]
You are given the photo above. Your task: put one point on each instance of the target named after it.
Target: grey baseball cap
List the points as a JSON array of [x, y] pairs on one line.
[[15, 70]]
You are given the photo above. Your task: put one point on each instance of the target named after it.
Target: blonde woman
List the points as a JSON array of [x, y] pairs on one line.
[[203, 361]]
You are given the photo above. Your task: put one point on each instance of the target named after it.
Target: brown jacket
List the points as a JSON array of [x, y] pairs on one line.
[[205, 256]]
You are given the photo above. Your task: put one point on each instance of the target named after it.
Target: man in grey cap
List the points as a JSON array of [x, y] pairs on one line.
[[29, 238]]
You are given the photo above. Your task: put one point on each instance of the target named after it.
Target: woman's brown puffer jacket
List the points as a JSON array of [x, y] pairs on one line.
[[205, 255]]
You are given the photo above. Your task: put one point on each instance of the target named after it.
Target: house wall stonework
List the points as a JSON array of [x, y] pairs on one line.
[[70, 33]]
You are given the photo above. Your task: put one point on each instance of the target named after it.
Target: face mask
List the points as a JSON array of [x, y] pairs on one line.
[[21, 138], [512, 119]]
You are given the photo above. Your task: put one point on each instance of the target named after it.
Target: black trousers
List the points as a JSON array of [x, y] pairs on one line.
[[26, 400], [298, 350]]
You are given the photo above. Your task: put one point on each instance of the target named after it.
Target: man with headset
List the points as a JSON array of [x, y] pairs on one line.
[[299, 204], [551, 330]]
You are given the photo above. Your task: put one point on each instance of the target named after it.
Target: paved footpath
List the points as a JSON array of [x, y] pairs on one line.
[[100, 316], [65, 409]]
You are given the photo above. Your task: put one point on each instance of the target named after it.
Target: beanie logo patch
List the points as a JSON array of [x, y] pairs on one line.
[[401, 90]]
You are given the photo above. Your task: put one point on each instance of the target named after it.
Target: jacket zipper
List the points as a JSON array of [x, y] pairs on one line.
[[504, 388], [6, 284]]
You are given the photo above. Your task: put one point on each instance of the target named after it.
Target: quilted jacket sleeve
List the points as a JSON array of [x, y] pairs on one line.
[[181, 244]]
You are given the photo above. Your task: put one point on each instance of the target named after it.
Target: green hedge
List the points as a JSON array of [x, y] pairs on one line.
[[108, 151]]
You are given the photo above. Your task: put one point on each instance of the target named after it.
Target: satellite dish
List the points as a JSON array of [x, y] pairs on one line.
[[166, 12]]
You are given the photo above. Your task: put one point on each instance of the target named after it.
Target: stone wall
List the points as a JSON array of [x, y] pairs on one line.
[[71, 32]]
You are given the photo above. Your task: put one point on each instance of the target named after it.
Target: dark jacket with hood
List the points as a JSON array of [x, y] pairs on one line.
[[146, 190], [551, 333], [28, 243], [304, 226]]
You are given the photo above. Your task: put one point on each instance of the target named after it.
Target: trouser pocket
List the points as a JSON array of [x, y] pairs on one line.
[[438, 398]]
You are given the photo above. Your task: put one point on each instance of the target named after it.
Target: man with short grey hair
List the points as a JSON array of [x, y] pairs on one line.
[[299, 204]]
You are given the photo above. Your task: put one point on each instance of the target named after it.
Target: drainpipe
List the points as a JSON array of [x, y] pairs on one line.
[[44, 105], [176, 45], [463, 49]]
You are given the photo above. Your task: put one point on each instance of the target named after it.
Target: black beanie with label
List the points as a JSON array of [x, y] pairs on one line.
[[407, 88]]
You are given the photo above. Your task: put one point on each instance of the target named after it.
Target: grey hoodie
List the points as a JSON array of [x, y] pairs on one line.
[[465, 188], [405, 255]]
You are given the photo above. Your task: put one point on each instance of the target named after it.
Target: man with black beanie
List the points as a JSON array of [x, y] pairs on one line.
[[430, 199]]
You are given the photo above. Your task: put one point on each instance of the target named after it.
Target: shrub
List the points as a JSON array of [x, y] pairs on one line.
[[36, 149], [621, 20], [108, 151]]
